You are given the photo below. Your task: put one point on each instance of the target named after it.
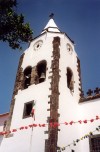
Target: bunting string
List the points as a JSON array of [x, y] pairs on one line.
[[51, 124], [74, 143]]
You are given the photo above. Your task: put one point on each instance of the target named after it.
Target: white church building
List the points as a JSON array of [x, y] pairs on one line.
[[49, 112]]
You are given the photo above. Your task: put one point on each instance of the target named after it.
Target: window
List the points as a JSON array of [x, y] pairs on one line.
[[41, 71], [95, 143], [27, 77], [27, 109], [70, 82], [69, 48]]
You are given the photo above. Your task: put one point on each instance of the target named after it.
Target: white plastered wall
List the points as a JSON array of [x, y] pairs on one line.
[[39, 93], [69, 108]]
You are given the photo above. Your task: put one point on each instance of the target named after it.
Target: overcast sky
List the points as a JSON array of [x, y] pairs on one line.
[[80, 19]]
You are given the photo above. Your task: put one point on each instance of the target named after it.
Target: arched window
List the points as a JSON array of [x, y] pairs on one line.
[[27, 77], [70, 80], [41, 71]]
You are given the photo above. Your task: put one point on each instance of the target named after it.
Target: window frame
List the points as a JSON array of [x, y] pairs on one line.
[[25, 107]]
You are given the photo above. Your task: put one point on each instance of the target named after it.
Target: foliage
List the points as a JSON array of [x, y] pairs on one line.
[[12, 27]]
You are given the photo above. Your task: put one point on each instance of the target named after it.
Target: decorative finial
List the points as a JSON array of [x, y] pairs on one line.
[[51, 15]]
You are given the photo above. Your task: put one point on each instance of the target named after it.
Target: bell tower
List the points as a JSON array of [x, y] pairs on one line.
[[48, 80]]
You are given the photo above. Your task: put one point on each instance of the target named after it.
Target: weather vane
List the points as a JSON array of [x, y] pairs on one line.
[[51, 15]]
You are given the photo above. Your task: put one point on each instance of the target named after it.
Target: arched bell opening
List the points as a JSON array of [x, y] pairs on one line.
[[70, 79], [27, 77], [41, 71]]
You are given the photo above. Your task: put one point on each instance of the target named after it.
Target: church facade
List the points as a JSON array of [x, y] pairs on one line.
[[48, 111]]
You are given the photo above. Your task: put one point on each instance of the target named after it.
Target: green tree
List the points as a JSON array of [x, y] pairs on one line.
[[13, 29]]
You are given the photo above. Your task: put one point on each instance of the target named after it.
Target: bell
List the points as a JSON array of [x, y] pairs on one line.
[[27, 76], [42, 77]]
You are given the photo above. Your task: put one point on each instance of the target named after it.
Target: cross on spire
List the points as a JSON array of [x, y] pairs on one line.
[[51, 15]]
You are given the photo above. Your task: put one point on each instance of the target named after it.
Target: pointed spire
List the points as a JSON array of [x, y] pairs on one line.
[[51, 25]]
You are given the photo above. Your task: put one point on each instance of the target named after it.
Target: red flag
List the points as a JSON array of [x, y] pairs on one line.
[[33, 113]]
